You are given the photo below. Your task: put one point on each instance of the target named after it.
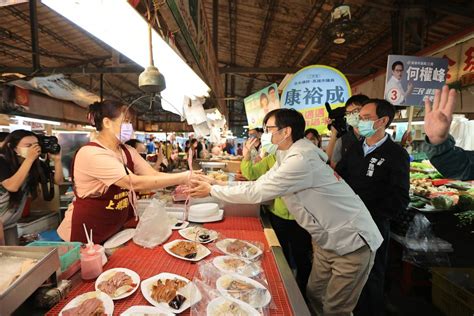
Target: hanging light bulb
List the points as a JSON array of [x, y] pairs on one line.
[[339, 39], [151, 80]]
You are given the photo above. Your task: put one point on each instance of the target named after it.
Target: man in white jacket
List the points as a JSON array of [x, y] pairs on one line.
[[345, 238]]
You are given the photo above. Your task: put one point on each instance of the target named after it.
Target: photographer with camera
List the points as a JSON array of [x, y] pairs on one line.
[[343, 138], [22, 171]]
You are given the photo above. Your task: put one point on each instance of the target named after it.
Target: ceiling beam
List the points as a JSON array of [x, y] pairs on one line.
[[465, 11], [267, 28], [322, 52], [215, 26], [75, 48], [315, 39], [303, 29], [35, 54], [233, 46], [76, 70], [256, 70]]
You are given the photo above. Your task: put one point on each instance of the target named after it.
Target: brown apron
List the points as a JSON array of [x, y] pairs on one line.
[[105, 214]]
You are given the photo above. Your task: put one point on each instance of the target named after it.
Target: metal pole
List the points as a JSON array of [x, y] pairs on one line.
[[34, 36], [101, 87]]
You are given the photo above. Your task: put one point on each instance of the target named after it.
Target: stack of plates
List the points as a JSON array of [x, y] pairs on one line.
[[204, 213]]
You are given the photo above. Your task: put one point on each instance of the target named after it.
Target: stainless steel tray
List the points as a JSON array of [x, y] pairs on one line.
[[25, 285]]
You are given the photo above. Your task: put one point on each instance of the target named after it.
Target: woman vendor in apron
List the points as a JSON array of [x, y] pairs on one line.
[[105, 175]]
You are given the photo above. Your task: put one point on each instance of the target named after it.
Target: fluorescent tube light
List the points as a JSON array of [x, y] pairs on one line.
[[119, 25]]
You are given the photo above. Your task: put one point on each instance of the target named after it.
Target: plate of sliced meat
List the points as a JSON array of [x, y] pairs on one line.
[[186, 250], [239, 248], [170, 292], [118, 283], [90, 303]]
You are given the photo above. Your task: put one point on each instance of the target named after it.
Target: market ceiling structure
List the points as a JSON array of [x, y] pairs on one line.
[[253, 43]]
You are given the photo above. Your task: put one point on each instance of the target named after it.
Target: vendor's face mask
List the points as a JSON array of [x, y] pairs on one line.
[[126, 132]]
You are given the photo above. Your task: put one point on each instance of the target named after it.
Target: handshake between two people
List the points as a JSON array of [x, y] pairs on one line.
[[199, 185]]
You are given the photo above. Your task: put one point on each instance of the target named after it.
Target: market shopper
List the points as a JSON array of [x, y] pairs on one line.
[[344, 235], [106, 174], [378, 171], [449, 160], [338, 146], [138, 145], [22, 172], [255, 133], [294, 240], [313, 136]]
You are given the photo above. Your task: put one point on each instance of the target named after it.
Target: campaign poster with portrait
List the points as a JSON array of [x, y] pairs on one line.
[[257, 105], [313, 86], [411, 79]]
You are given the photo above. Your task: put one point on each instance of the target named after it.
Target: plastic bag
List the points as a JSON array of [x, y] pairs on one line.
[[423, 247], [154, 226], [217, 300], [244, 249]]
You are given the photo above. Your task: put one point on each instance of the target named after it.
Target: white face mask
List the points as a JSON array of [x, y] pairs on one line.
[[267, 145], [23, 152]]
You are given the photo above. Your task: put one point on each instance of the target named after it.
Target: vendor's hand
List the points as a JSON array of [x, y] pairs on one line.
[[199, 189], [439, 116], [203, 178], [34, 151]]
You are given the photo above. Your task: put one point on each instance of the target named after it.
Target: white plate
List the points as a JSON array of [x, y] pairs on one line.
[[202, 251], [104, 276], [209, 219], [256, 301], [192, 293], [106, 300], [183, 225], [250, 269], [191, 233], [222, 246], [145, 310], [119, 238], [213, 306]]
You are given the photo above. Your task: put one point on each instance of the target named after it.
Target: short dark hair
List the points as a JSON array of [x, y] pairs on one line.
[[311, 131], [357, 99], [288, 118], [271, 89], [383, 108], [133, 143], [397, 63], [100, 110], [3, 135]]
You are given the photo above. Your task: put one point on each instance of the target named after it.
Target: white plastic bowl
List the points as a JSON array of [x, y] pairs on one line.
[[204, 210]]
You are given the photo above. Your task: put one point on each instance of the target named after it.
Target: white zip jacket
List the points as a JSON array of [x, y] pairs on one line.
[[321, 202]]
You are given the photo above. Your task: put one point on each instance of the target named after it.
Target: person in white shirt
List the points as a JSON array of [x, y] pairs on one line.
[[394, 92], [345, 237]]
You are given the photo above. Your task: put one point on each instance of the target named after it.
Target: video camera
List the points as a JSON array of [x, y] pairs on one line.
[[49, 144], [337, 117]]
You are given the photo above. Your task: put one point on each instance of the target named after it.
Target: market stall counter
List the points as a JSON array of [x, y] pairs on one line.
[[285, 296]]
